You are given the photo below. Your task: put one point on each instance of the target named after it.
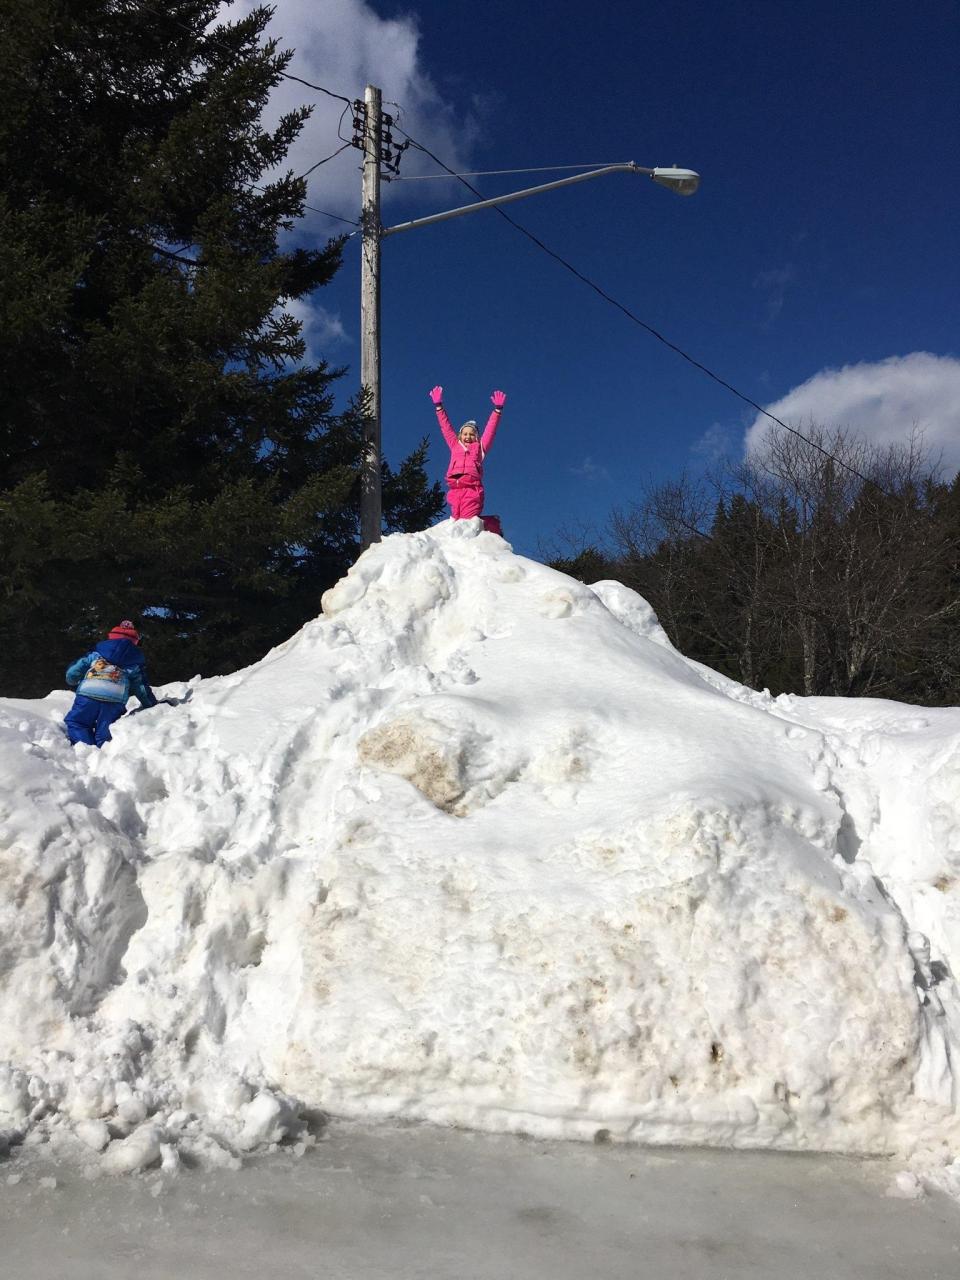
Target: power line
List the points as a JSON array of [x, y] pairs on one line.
[[221, 43], [351, 222], [326, 213], [489, 173], [329, 92], [307, 172], [636, 319], [336, 217], [346, 141], [286, 75]]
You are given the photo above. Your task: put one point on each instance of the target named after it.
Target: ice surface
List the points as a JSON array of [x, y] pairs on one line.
[[374, 1202], [478, 847]]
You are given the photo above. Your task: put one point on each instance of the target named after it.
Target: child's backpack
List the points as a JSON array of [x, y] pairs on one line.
[[105, 682], [492, 525]]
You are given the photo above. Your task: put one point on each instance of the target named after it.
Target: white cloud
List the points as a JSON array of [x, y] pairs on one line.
[[321, 329], [882, 402], [773, 284], [590, 470], [713, 444], [344, 45]]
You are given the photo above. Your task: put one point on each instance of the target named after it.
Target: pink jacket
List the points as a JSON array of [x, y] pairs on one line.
[[466, 460]]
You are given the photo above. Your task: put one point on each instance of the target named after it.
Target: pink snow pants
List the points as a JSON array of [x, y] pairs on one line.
[[465, 503]]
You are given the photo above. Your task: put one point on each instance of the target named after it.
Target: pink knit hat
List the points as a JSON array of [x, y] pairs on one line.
[[125, 631]]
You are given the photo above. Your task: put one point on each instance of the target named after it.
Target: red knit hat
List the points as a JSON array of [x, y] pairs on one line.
[[125, 631]]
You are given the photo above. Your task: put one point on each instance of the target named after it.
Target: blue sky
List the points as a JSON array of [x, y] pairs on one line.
[[824, 234]]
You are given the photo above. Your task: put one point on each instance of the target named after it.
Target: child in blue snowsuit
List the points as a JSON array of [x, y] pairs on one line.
[[105, 679]]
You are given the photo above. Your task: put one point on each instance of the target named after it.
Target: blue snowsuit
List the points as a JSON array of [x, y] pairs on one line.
[[105, 679]]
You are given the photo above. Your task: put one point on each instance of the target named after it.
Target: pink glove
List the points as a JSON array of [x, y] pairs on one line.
[[436, 395], [499, 399]]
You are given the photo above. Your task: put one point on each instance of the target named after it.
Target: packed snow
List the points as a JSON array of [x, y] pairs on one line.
[[477, 846]]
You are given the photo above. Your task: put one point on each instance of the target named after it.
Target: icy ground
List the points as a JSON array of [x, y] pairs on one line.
[[478, 847], [402, 1204]]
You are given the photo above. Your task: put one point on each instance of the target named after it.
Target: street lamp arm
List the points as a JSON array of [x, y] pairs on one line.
[[684, 181]]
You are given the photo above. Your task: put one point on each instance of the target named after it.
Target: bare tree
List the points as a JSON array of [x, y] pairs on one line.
[[855, 539], [655, 543], [820, 562]]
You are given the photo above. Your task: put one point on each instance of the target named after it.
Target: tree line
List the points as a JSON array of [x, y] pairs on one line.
[[816, 565], [167, 452]]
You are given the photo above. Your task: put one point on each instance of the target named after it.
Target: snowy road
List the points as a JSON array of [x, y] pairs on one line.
[[371, 1203]]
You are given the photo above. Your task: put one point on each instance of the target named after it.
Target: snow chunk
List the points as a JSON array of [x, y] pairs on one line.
[[92, 1133], [906, 1186], [138, 1151], [266, 1119]]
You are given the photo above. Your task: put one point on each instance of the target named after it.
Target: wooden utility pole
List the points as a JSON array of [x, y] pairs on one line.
[[371, 231]]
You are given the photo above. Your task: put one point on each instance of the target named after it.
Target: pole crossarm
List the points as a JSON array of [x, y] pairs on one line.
[[626, 167]]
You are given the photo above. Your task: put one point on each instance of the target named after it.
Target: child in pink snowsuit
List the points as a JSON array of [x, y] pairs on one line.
[[467, 451]]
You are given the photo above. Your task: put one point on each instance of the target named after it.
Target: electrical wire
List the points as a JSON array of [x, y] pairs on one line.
[[326, 213], [307, 172], [489, 173], [346, 141], [310, 85], [220, 43], [351, 222], [642, 323], [211, 39]]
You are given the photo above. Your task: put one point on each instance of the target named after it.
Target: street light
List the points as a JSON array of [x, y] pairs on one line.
[[683, 182]]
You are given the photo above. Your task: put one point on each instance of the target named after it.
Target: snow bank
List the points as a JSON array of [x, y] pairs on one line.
[[477, 846]]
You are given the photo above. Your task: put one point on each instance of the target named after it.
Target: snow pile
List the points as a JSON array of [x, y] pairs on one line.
[[477, 846]]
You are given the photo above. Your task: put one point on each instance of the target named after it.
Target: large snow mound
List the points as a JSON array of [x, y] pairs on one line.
[[478, 847]]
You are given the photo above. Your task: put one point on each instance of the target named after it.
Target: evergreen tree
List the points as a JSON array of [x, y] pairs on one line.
[[164, 449], [588, 565]]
